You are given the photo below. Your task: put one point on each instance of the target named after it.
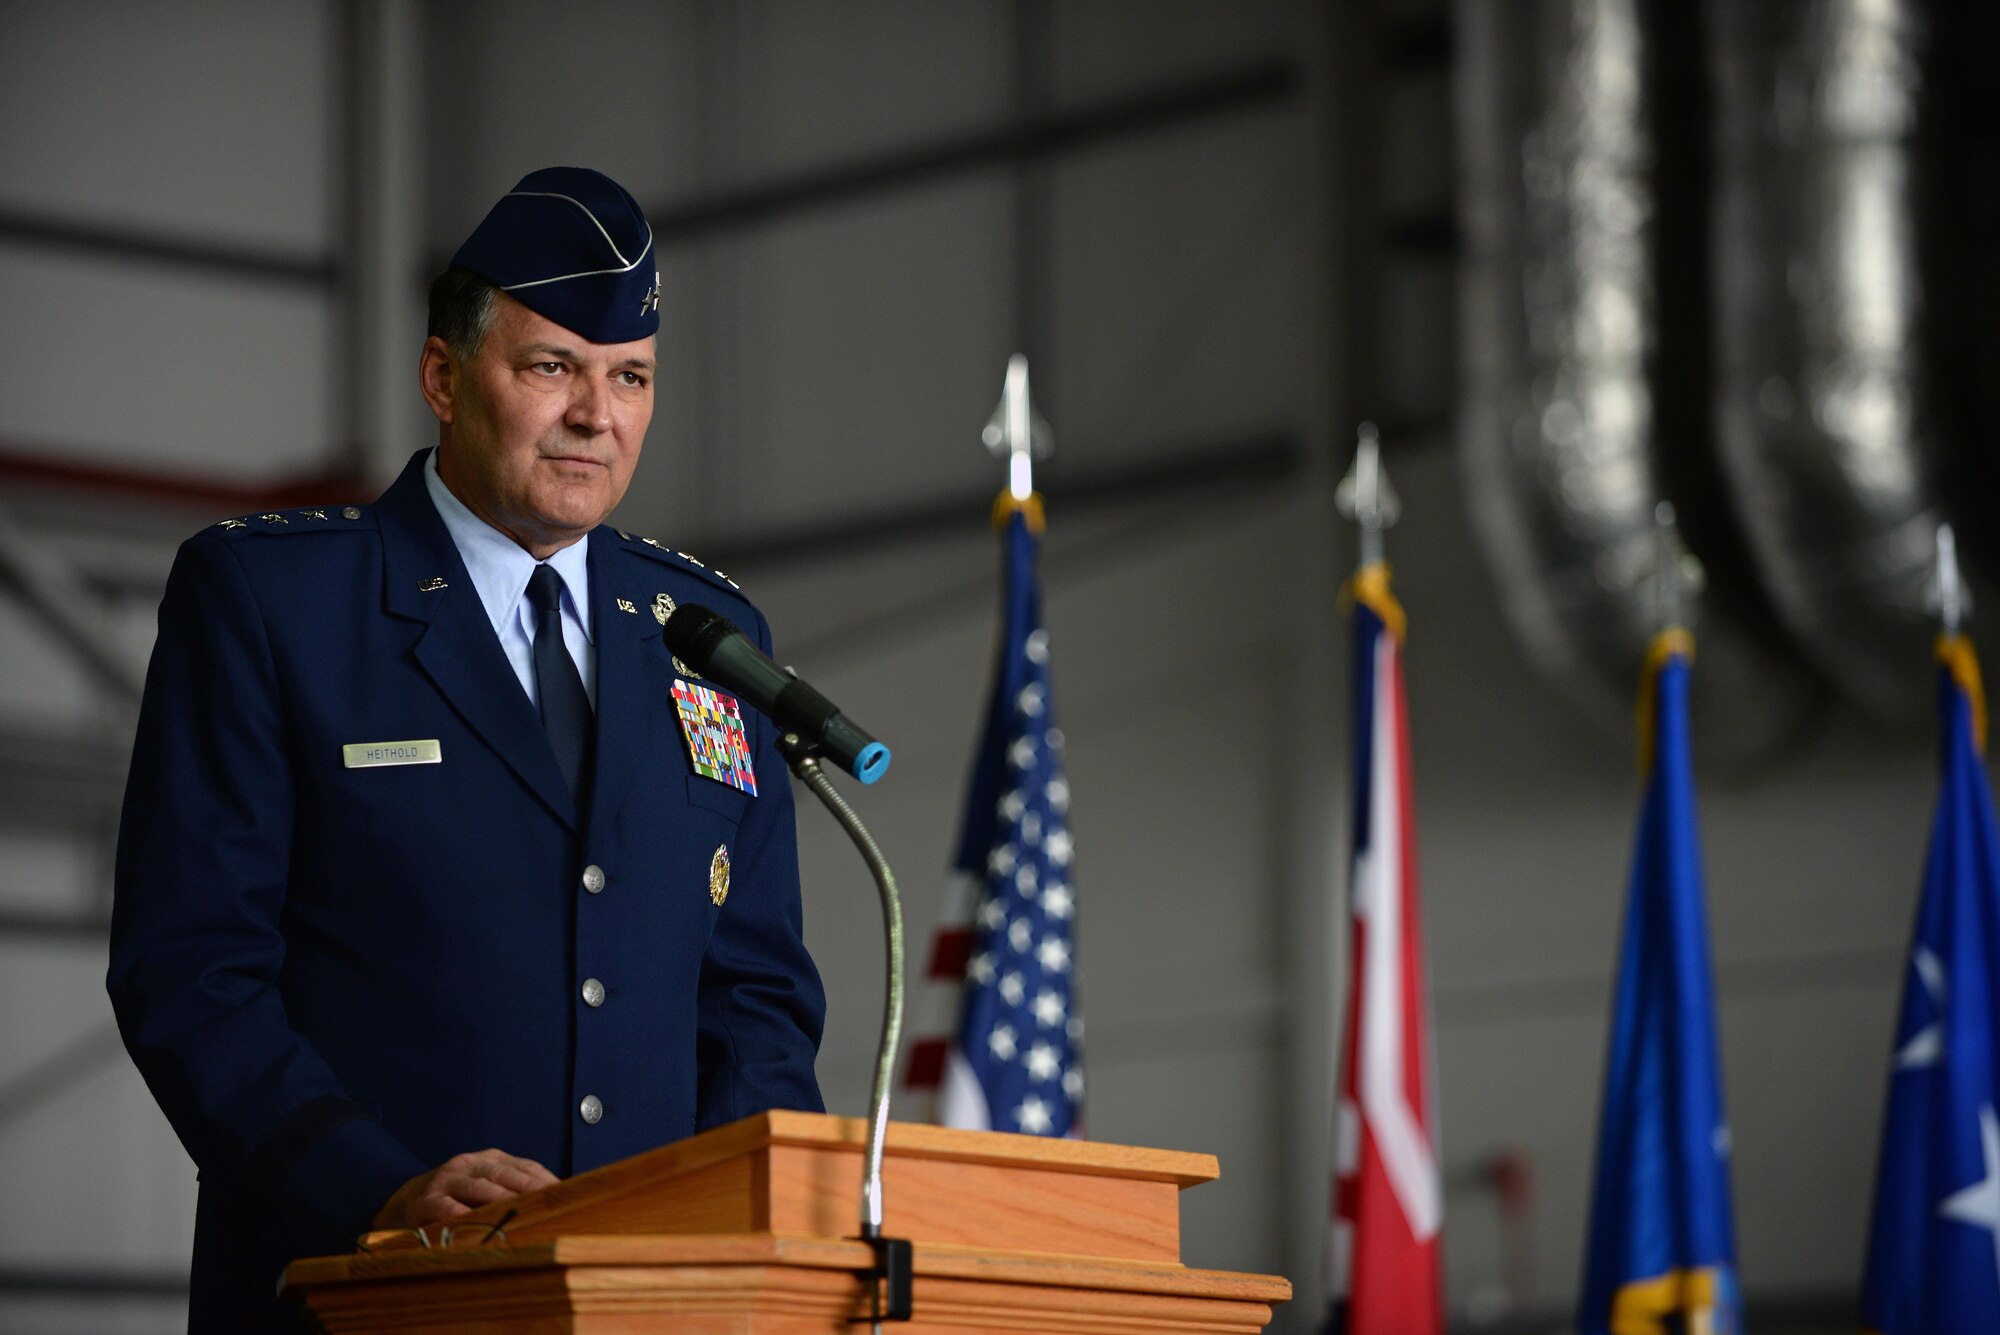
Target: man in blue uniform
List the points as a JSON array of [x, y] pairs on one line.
[[423, 898]]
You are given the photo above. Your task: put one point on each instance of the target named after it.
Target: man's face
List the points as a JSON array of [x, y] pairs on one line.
[[540, 431]]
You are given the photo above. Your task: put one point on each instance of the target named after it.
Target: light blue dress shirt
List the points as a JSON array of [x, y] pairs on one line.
[[500, 568]]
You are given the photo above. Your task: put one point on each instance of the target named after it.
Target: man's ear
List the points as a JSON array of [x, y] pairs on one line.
[[437, 377]]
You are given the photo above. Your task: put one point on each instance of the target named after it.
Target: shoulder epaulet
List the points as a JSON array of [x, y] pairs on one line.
[[304, 520], [659, 551]]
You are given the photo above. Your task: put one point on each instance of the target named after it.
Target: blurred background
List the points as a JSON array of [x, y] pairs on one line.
[[1575, 257]]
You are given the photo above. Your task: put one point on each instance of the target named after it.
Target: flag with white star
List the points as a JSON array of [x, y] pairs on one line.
[[1934, 1244], [1012, 1059], [1662, 1242]]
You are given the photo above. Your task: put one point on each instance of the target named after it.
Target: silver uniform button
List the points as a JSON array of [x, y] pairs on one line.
[[350, 513], [593, 992], [592, 1110], [593, 878]]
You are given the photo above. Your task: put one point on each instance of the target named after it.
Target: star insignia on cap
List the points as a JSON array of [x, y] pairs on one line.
[[573, 246]]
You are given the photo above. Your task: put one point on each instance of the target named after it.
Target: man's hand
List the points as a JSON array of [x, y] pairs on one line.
[[459, 1185]]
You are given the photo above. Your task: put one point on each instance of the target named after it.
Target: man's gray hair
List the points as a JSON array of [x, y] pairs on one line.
[[461, 311]]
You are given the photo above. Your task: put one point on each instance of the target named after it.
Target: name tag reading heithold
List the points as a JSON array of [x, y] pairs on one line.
[[367, 755]]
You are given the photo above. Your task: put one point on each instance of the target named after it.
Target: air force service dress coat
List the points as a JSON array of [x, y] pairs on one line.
[[334, 978]]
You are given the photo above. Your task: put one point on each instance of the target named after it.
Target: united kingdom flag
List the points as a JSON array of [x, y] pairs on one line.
[[1388, 1204], [1004, 959]]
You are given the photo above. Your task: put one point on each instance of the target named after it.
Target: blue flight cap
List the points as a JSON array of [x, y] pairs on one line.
[[570, 244]]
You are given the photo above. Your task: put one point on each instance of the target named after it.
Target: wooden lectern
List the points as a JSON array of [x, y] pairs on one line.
[[751, 1228]]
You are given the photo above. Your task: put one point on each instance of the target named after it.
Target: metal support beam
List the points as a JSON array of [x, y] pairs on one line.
[[49, 589], [385, 40], [91, 929], [1213, 497], [1266, 84], [1261, 86], [1264, 459], [62, 1070], [92, 1285], [94, 240], [384, 314], [47, 467]]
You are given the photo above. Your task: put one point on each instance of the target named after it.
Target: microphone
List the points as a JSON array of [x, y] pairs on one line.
[[711, 644]]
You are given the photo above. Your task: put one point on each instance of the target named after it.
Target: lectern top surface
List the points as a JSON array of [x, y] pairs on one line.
[[1180, 1167]]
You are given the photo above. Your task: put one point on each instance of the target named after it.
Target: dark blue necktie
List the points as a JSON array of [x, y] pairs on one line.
[[565, 707]]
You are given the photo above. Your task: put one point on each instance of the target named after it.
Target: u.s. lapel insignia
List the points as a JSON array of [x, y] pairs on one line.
[[232, 523], [712, 724], [625, 605], [663, 607], [432, 585], [718, 876]]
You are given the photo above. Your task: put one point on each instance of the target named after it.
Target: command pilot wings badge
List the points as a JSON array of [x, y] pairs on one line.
[[663, 607], [712, 723]]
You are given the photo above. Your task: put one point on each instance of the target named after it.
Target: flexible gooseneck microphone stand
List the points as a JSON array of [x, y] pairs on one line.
[[892, 1255]]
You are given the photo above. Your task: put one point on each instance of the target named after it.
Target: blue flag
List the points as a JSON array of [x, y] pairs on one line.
[[1662, 1250], [1934, 1245], [1015, 1059]]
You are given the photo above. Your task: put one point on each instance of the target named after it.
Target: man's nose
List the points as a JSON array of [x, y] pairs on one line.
[[589, 406]]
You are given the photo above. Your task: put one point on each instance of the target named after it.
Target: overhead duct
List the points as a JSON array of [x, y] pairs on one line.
[[1820, 384], [1558, 343]]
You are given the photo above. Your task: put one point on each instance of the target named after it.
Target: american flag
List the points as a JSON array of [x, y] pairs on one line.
[[1003, 962], [1388, 1203]]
